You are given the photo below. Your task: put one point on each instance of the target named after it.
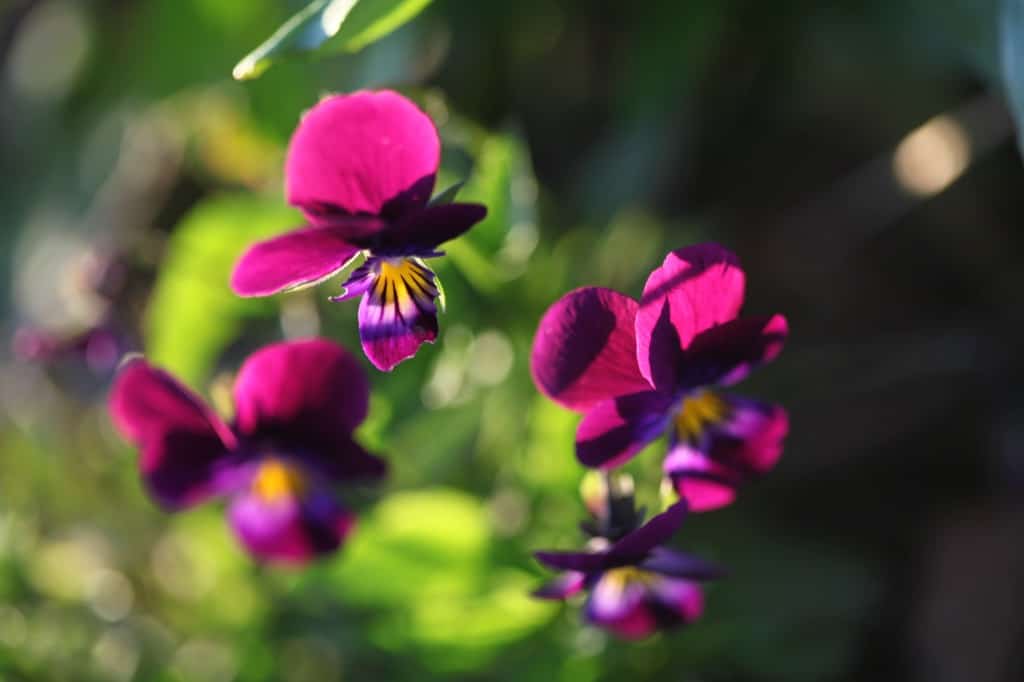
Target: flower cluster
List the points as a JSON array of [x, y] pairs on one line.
[[361, 168], [636, 584], [638, 370]]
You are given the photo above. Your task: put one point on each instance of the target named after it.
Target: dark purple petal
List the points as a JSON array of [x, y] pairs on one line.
[[289, 529], [694, 289], [432, 226], [727, 353], [370, 153], [359, 282], [585, 349], [182, 442], [676, 602], [582, 562], [305, 398], [615, 430], [562, 586], [635, 546], [398, 313], [634, 605], [674, 564], [745, 444], [303, 257]]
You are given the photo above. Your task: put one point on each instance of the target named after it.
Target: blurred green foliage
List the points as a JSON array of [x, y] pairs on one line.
[[600, 136]]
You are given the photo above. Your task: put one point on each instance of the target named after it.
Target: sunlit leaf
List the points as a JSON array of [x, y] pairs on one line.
[[422, 562], [329, 26], [193, 313]]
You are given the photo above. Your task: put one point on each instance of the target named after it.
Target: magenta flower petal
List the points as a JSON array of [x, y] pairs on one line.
[[704, 483], [183, 443], [615, 430], [306, 397], [290, 529], [372, 153], [727, 353], [398, 314], [694, 289], [297, 258], [432, 226], [585, 349], [641, 541], [562, 586]]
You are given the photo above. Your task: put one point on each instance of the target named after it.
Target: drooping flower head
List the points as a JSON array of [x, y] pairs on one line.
[[277, 463], [638, 370], [361, 167], [635, 585]]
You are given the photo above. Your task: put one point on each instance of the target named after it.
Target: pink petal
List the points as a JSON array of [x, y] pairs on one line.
[[694, 289], [298, 258], [306, 397], [182, 442], [372, 153], [585, 349]]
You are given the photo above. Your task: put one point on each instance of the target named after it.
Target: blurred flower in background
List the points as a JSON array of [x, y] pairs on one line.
[[289, 445]]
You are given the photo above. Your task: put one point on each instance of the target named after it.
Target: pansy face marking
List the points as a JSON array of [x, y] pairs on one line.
[[277, 464], [361, 167], [641, 369]]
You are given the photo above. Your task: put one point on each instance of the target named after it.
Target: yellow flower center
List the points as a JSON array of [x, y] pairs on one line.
[[618, 579], [402, 279], [698, 412], [276, 479]]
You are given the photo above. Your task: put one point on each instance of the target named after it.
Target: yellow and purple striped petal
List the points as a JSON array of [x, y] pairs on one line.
[[398, 313]]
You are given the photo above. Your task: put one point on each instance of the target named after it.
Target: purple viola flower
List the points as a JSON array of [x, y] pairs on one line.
[[637, 370], [361, 167], [636, 585], [277, 463]]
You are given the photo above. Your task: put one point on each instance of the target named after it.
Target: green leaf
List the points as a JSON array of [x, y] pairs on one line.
[[447, 195], [422, 563], [193, 314], [329, 26]]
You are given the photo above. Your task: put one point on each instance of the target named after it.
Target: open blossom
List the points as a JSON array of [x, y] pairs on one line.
[[277, 463], [638, 370], [361, 167], [635, 585]]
